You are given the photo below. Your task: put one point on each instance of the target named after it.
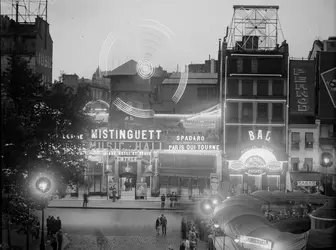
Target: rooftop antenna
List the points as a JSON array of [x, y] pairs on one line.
[[25, 11], [255, 27]]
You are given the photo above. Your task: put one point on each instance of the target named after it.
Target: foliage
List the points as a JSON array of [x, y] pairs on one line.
[[35, 118]]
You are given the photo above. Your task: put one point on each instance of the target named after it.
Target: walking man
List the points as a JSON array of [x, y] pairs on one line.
[[163, 200], [164, 224], [59, 238], [85, 200], [49, 225], [157, 226], [58, 223]]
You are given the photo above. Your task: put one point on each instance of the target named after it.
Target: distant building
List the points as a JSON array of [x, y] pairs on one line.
[[31, 41], [209, 66]]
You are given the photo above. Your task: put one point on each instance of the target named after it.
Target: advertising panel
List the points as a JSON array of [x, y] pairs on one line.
[[327, 85], [301, 88]]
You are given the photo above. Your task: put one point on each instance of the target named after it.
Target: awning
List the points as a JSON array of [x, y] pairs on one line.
[[295, 160], [309, 137], [305, 176], [295, 137]]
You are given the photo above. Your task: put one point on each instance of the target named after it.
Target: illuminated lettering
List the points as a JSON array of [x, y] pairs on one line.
[[301, 90], [200, 147], [259, 135], [188, 138], [121, 134]]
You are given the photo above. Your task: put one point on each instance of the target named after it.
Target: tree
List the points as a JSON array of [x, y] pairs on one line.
[[34, 119]]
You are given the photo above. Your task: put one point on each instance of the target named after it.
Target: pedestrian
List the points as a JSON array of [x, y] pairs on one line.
[[37, 230], [53, 226], [184, 229], [171, 199], [157, 226], [85, 200], [183, 245], [58, 224], [59, 238], [114, 192], [49, 225], [164, 224], [53, 243], [163, 201]]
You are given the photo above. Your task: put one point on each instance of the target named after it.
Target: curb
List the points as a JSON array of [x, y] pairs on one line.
[[121, 208]]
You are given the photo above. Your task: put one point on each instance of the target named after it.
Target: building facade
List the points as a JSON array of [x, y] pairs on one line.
[[31, 41], [255, 103], [323, 54]]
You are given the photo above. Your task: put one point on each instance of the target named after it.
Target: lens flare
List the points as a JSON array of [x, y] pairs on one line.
[[130, 110], [145, 69], [181, 87]]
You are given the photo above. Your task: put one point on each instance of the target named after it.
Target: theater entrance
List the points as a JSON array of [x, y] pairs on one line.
[[127, 184]]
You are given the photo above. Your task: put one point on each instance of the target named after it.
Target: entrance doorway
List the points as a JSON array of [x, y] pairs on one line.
[[127, 183]]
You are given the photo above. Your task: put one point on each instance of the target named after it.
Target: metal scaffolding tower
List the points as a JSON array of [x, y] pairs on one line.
[[254, 27], [25, 11]]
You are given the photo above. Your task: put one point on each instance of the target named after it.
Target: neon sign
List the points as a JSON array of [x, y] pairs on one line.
[[259, 135], [190, 138], [255, 241], [193, 147], [122, 134]]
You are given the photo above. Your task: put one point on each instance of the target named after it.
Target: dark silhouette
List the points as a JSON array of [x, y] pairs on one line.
[[164, 224], [85, 200], [163, 200]]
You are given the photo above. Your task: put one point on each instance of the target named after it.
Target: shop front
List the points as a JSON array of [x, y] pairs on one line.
[[256, 165], [308, 182]]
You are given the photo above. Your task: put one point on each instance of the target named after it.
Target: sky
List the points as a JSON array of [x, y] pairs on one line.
[[88, 33]]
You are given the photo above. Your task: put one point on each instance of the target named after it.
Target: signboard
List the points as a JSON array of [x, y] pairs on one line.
[[265, 244], [125, 147], [200, 147], [326, 108], [306, 183], [255, 165], [329, 80], [123, 134], [199, 124], [260, 135], [302, 87]]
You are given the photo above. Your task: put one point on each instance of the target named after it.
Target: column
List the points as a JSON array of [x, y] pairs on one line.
[[116, 176], [155, 188], [139, 172]]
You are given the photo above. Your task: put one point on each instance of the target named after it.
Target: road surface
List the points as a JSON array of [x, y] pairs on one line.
[[118, 229]]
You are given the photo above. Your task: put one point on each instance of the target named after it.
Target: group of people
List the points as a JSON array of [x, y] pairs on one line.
[[174, 200], [190, 238], [161, 221], [54, 231]]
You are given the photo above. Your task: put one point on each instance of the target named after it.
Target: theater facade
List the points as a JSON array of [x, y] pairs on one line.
[[162, 156]]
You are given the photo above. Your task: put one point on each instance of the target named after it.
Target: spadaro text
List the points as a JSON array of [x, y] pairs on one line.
[[190, 138]]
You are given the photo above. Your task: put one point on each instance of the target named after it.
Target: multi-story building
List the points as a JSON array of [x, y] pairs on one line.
[[31, 41], [255, 101], [304, 129], [323, 54]]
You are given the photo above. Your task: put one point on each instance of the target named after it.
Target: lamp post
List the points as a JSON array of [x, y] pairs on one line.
[[43, 185], [326, 162]]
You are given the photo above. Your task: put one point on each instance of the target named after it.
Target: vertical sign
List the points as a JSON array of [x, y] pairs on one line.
[[327, 85], [302, 88]]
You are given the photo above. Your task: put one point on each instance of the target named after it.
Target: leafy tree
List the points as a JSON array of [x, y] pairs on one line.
[[34, 120]]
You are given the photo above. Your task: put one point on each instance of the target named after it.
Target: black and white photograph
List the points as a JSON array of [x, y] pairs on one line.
[[166, 124]]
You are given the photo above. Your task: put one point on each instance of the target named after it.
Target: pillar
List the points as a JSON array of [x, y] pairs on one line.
[[116, 176], [155, 187], [139, 172]]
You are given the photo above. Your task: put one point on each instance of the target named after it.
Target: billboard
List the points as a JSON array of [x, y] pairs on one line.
[[302, 88], [327, 85]]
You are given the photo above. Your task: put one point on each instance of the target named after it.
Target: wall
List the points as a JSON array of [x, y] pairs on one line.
[[303, 153]]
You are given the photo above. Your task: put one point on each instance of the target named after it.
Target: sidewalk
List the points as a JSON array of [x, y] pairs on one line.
[[118, 204]]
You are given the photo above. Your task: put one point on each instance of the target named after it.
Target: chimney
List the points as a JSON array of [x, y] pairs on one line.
[[17, 12]]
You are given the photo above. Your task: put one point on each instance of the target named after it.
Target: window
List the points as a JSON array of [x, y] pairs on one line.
[[247, 112], [277, 112], [295, 164], [309, 140], [262, 111], [240, 66], [262, 87], [254, 65], [231, 135], [232, 88], [295, 141], [247, 88], [308, 164], [278, 88], [232, 112]]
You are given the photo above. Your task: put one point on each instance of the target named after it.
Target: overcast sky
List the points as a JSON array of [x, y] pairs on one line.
[[178, 32]]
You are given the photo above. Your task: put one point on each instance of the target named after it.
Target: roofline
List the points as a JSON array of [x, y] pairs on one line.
[[319, 43], [256, 6]]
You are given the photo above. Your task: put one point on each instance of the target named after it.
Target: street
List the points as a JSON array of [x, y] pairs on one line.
[[118, 229]]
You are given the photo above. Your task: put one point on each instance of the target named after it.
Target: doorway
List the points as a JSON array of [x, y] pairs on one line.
[[127, 183]]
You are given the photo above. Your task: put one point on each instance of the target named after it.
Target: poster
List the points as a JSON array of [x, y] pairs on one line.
[[214, 183], [141, 190]]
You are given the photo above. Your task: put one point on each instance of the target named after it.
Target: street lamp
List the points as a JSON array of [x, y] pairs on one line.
[[326, 161], [43, 186]]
